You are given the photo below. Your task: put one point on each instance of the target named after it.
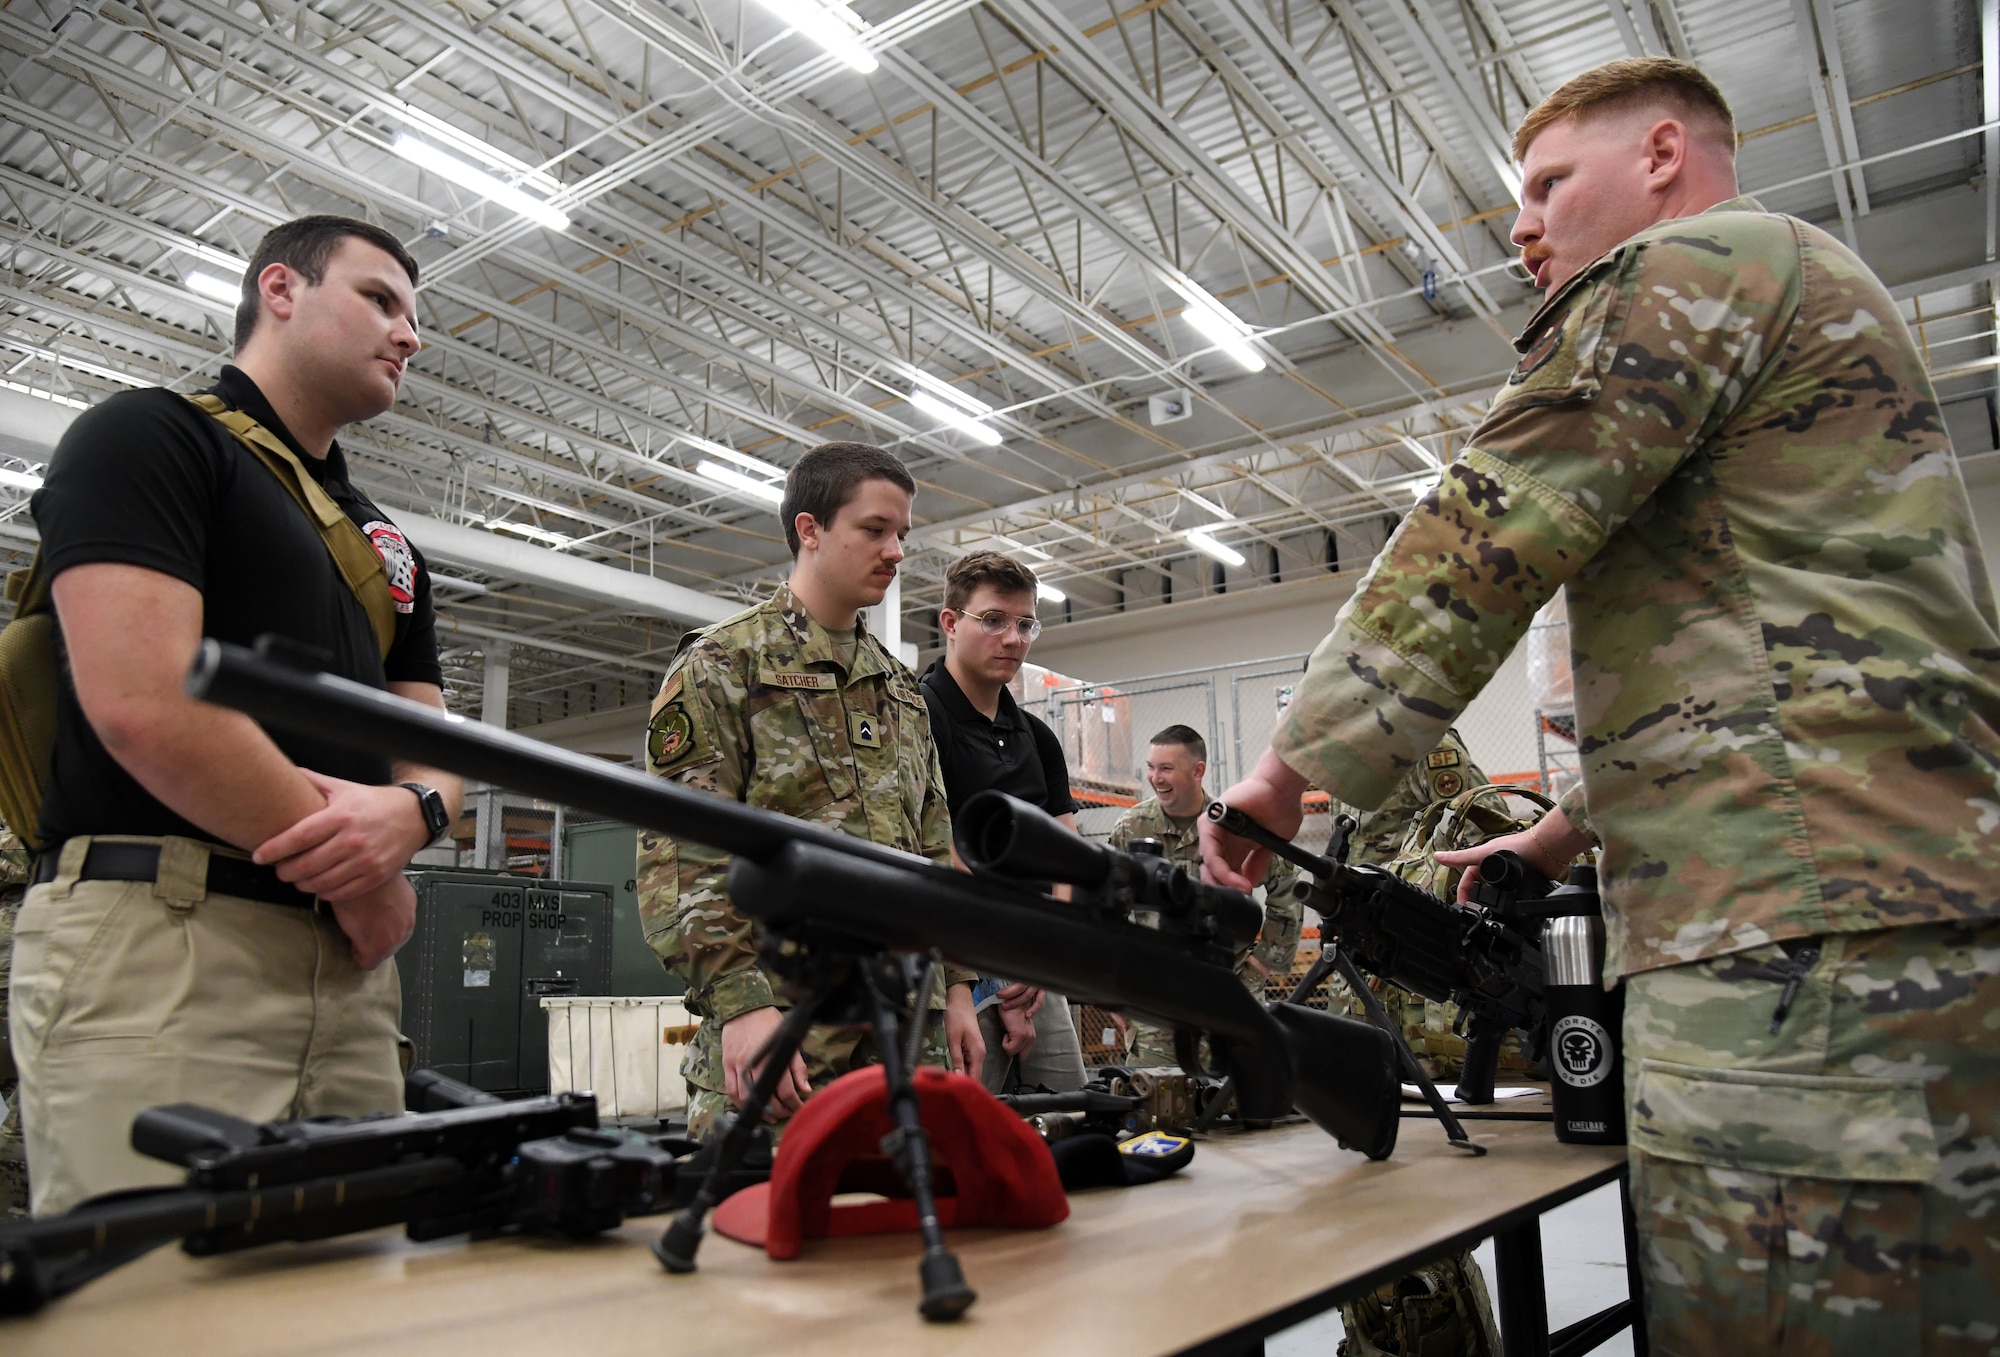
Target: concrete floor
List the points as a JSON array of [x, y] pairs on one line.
[[1583, 1258]]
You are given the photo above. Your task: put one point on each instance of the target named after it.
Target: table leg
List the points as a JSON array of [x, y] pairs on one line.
[[1635, 1282], [1524, 1303]]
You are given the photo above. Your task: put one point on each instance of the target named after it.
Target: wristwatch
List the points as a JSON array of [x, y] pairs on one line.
[[431, 802]]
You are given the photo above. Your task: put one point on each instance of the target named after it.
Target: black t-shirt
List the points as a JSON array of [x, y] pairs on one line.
[[1015, 752], [148, 479]]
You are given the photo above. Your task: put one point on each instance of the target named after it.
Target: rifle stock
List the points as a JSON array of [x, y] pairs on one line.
[[791, 875]]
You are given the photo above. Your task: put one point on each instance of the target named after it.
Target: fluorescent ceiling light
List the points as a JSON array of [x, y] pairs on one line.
[[1218, 325], [744, 460], [1207, 504], [829, 25], [26, 390], [1425, 486], [221, 259], [531, 532], [20, 480], [469, 176], [454, 582], [1418, 448], [1208, 546], [78, 364], [1049, 592], [978, 409], [749, 487], [514, 171], [214, 288], [945, 414]]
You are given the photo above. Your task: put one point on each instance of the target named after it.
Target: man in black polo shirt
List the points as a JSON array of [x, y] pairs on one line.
[[214, 903], [987, 742]]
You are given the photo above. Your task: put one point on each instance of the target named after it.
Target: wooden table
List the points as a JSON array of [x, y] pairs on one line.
[[1263, 1230]]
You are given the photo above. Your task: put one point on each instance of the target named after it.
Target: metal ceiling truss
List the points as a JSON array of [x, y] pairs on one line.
[[765, 247]]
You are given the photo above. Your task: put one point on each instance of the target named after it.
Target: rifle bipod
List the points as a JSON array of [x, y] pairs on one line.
[[1332, 960], [845, 988]]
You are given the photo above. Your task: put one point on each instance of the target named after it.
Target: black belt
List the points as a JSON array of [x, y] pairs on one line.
[[141, 862]]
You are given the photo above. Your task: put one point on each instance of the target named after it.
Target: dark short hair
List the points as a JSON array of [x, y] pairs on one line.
[[1676, 87], [823, 480], [1184, 735], [963, 577], [303, 245]]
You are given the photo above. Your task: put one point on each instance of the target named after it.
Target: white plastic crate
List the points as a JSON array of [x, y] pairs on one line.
[[627, 1051]]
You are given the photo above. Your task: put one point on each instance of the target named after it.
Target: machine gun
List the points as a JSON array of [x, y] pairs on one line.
[[842, 916], [1485, 957], [466, 1162]]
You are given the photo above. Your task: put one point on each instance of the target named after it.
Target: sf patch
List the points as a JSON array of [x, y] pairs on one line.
[[670, 731]]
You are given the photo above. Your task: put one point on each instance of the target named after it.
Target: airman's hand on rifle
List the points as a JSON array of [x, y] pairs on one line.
[[1549, 846], [1271, 796]]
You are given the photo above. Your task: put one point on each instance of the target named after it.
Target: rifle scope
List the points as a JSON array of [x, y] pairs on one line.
[[1001, 836]]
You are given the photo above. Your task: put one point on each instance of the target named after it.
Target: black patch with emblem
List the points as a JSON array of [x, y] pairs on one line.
[[669, 735], [1539, 353]]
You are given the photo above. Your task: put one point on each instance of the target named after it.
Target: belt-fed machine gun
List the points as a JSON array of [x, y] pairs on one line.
[[842, 919], [1485, 957]]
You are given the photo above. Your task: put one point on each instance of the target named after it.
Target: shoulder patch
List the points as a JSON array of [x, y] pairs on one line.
[[802, 679], [1442, 758], [669, 735], [1447, 784]]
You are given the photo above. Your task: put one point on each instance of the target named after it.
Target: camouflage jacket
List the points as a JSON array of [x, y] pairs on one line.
[[1283, 914], [759, 707], [1722, 438], [1439, 776]]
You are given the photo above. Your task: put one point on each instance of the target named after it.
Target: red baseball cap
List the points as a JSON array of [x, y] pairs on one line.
[[989, 1167]]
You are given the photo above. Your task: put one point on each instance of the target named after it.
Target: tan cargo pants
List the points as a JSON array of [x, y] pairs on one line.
[[129, 995]]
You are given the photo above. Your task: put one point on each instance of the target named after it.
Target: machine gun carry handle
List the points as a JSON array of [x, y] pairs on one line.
[[1333, 961]]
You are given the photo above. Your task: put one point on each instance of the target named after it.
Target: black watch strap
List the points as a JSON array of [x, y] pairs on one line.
[[431, 802]]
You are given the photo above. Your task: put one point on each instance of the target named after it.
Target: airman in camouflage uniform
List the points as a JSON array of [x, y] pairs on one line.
[[1722, 437], [1438, 776], [765, 709], [14, 868], [1277, 942]]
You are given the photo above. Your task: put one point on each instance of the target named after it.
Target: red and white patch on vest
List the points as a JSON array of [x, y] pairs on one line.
[[398, 560]]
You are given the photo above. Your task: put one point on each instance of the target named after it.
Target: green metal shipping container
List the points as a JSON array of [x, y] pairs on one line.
[[608, 851], [488, 949]]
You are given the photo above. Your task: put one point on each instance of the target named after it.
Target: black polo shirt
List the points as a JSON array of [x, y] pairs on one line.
[[1015, 752], [147, 479]]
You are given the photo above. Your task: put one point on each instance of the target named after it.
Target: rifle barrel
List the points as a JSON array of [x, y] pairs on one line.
[[353, 714]]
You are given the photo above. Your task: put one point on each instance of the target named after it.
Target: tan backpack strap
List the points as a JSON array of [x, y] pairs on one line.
[[359, 563]]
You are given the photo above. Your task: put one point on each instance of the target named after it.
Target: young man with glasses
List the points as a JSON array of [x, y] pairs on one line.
[[984, 742]]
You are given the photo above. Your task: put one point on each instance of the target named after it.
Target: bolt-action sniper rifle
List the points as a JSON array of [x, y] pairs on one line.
[[466, 1163], [833, 907], [1486, 957]]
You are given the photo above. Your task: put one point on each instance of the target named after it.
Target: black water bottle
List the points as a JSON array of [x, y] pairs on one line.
[[1585, 1020]]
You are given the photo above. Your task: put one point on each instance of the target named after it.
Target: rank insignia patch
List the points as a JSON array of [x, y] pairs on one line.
[[864, 730], [1539, 353]]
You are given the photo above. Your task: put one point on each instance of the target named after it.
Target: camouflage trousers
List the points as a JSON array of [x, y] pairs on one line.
[[829, 1053], [1835, 1187]]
